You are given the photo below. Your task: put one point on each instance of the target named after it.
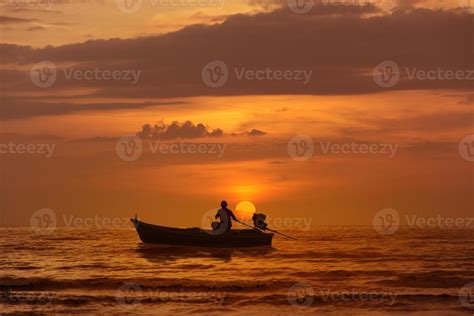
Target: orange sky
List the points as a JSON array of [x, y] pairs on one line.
[[424, 120], [87, 177]]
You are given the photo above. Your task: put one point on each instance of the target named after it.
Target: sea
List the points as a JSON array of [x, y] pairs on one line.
[[327, 270]]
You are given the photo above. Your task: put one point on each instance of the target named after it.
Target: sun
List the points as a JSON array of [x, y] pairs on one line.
[[245, 209]]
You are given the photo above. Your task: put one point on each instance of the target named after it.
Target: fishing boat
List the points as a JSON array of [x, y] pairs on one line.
[[154, 234]]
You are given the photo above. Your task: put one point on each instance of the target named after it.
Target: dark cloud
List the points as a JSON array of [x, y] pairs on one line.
[[324, 7], [256, 132], [36, 28], [408, 4], [186, 130], [97, 139], [20, 108], [14, 20], [340, 49]]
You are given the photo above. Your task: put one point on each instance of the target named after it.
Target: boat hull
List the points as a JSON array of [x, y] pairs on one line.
[[153, 234]]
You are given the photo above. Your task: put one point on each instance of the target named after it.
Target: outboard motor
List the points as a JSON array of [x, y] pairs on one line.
[[259, 221]]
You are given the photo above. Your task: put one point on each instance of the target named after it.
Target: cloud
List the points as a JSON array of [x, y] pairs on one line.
[[186, 130], [383, 128], [36, 28], [21, 108], [408, 4], [256, 132], [171, 64], [33, 10], [324, 7], [14, 20], [469, 99]]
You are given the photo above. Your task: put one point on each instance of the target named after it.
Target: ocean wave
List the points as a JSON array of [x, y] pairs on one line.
[[341, 274], [433, 279], [38, 283], [352, 299], [225, 298]]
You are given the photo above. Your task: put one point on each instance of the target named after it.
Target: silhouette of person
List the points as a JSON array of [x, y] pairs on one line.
[[225, 215]]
